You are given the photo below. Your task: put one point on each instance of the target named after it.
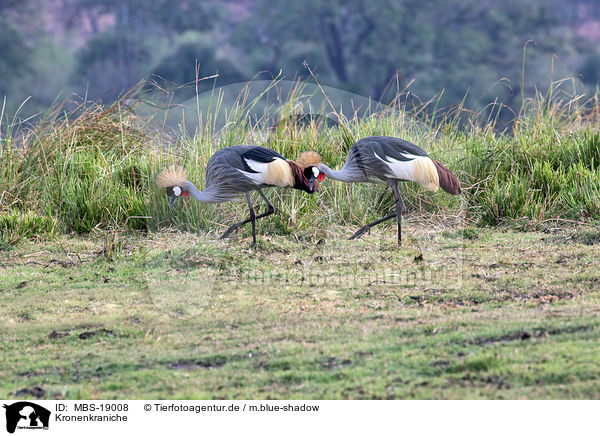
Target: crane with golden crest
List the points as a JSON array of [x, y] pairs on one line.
[[387, 159], [241, 169]]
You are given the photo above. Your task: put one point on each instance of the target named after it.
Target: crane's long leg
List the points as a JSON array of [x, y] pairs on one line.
[[400, 208], [398, 213], [367, 227], [270, 207], [253, 217]]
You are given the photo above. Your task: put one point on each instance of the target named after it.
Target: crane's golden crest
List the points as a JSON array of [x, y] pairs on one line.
[[308, 159], [174, 175]]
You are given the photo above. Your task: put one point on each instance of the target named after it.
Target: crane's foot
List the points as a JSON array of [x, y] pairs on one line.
[[360, 232], [230, 230]]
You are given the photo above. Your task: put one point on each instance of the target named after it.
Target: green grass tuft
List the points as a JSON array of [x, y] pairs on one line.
[[17, 225]]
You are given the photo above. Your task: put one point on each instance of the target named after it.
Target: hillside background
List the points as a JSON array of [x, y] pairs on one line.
[[455, 48]]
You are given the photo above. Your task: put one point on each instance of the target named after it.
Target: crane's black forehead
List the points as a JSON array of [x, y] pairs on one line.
[[169, 190]]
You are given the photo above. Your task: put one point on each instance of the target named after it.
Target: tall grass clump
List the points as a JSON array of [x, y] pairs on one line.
[[85, 169], [92, 167], [546, 168]]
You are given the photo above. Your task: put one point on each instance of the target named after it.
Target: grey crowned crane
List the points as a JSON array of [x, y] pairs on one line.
[[391, 159], [240, 169]]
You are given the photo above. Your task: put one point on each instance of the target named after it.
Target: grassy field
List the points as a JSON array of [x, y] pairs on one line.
[[457, 313], [106, 292]]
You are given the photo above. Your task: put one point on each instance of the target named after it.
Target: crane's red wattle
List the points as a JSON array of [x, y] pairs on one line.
[[185, 193], [321, 177]]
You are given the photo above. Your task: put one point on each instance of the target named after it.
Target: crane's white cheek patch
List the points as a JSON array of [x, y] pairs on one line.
[[177, 191]]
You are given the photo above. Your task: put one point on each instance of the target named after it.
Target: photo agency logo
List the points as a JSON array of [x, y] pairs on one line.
[[25, 415], [187, 268]]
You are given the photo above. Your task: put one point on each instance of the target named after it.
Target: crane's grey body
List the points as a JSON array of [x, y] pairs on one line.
[[366, 161], [226, 176]]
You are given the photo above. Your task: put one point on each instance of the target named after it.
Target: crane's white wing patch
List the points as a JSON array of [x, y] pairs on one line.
[[260, 167], [419, 169], [258, 178], [398, 169], [275, 173]]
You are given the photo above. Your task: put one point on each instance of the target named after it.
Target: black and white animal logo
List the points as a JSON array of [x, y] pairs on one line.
[[26, 415]]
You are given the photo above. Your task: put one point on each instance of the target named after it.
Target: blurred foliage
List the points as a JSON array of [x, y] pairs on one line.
[[112, 62], [469, 50], [15, 54], [456, 45], [178, 64]]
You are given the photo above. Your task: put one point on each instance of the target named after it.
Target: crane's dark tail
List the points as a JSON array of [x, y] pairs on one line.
[[448, 181]]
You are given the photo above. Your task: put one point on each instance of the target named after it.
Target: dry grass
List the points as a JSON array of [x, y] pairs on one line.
[[483, 314]]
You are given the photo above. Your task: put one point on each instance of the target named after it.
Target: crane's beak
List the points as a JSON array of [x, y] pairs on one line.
[[172, 199], [311, 183]]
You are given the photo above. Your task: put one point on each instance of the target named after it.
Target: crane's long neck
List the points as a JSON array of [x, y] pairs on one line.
[[203, 196], [342, 175]]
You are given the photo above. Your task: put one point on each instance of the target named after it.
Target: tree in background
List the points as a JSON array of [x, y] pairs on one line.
[[16, 52], [116, 59], [459, 45], [178, 64]]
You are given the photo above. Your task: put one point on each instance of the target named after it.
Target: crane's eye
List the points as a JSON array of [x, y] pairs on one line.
[[311, 172]]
